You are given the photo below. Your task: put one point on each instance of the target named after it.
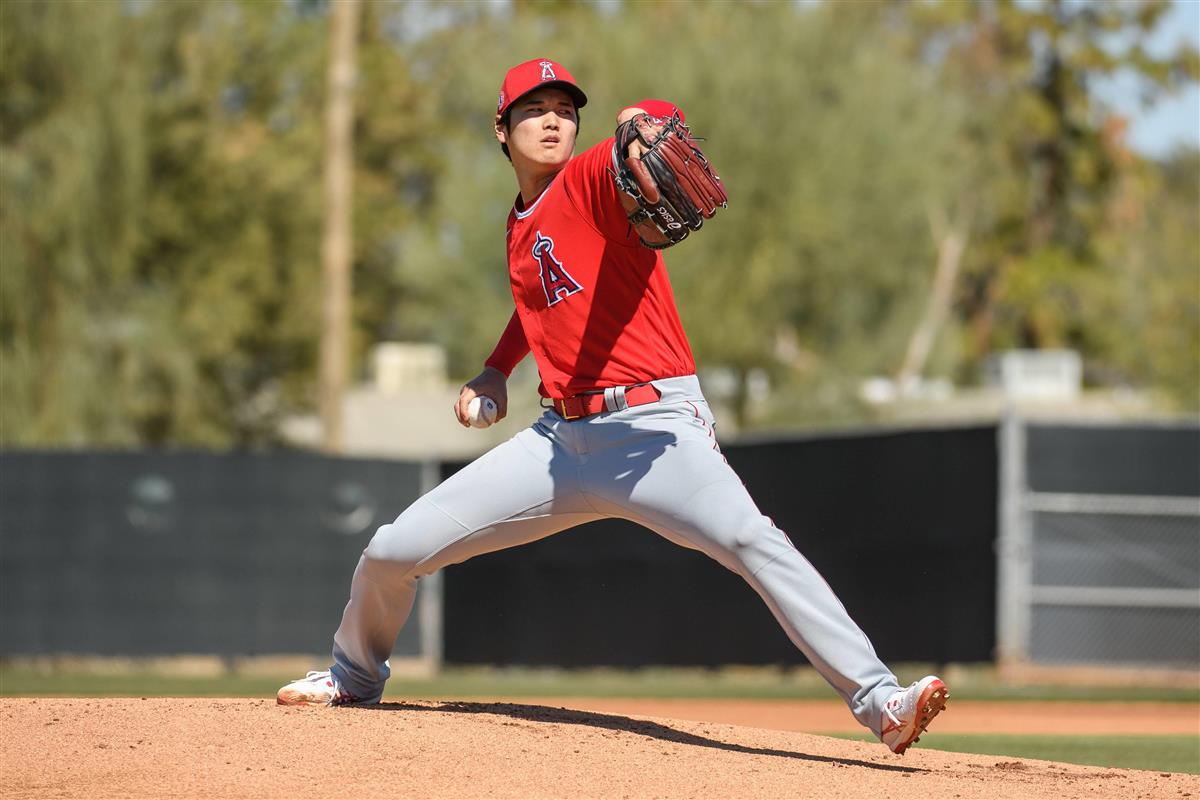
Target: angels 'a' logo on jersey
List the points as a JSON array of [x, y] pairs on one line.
[[548, 71], [556, 281]]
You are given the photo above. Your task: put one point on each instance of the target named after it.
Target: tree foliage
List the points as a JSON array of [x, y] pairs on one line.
[[160, 201], [1050, 164]]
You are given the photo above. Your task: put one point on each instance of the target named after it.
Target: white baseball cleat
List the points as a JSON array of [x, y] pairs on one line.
[[315, 689], [909, 711]]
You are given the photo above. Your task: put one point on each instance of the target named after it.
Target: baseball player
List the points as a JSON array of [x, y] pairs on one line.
[[627, 432]]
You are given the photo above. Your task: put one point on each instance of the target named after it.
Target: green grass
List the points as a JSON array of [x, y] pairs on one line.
[[27, 680], [1155, 753]]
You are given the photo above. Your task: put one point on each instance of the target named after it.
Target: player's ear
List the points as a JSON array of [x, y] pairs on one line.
[[501, 130]]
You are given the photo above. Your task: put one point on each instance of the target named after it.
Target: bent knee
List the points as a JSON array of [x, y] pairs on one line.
[[416, 535], [392, 545]]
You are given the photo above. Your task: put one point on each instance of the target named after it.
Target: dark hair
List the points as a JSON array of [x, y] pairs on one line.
[[506, 121]]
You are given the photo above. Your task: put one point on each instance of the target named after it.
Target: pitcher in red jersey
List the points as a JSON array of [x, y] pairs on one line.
[[627, 432]]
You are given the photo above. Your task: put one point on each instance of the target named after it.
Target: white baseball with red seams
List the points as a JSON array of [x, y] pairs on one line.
[[481, 411]]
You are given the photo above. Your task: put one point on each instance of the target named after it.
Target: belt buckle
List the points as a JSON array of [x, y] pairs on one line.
[[560, 405]]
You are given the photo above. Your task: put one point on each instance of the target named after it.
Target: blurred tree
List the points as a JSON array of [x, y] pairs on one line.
[[160, 182], [73, 179], [836, 150], [1048, 170], [161, 218], [414, 195], [231, 229], [1151, 298]]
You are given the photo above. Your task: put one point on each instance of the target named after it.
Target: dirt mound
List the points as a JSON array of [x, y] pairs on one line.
[[252, 748]]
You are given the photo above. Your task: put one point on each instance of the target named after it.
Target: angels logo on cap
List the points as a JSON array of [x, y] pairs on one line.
[[524, 78]]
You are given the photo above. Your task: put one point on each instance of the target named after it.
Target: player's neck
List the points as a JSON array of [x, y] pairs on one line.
[[532, 186], [532, 180]]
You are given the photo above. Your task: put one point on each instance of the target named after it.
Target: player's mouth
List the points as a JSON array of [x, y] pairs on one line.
[[550, 140]]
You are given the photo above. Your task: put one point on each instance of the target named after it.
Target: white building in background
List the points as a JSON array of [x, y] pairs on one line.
[[1046, 375], [405, 410], [1039, 383], [399, 367]]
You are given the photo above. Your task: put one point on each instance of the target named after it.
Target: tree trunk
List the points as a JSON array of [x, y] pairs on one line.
[[951, 243], [337, 245]]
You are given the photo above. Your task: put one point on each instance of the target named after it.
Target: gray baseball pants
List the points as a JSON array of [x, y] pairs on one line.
[[657, 465]]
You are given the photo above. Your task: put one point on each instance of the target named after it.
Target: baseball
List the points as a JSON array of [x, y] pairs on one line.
[[481, 411]]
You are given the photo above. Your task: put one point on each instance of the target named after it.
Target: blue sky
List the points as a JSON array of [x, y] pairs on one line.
[[1173, 121]]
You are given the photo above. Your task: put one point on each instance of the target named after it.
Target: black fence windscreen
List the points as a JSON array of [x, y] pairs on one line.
[[149, 554], [901, 525], [1135, 459], [243, 554]]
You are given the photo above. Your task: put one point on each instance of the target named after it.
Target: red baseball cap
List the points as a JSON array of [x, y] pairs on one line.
[[524, 78]]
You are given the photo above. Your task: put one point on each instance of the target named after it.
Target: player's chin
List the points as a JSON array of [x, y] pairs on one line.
[[547, 161], [550, 154], [558, 153]]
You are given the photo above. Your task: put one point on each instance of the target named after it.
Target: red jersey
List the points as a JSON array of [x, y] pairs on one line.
[[594, 305]]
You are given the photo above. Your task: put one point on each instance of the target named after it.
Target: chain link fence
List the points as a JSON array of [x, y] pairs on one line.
[[1099, 578]]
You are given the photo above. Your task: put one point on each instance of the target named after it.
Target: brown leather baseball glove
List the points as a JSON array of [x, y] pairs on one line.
[[671, 189]]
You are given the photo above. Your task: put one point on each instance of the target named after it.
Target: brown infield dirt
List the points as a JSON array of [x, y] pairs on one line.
[[200, 748]]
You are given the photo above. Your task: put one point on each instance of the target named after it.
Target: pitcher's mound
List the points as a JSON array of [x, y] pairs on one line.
[[94, 748]]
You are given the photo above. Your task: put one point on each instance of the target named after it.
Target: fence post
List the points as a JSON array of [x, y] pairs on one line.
[[1012, 546]]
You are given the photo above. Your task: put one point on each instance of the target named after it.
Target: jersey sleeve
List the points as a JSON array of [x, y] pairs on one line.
[[589, 182], [659, 108], [590, 186], [511, 348]]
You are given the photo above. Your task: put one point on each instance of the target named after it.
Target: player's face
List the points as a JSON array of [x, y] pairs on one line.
[[542, 128]]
